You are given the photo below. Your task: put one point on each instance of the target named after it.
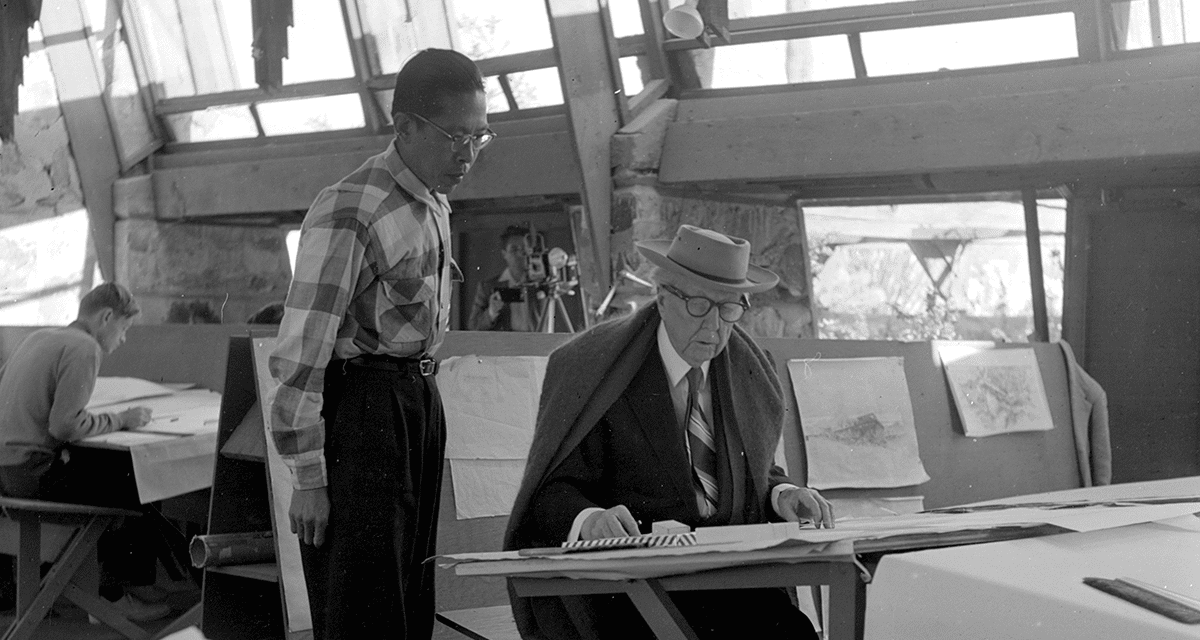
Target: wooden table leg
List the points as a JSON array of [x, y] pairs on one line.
[[847, 603], [659, 611]]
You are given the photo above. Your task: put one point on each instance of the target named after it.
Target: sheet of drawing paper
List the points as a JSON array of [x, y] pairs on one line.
[[858, 425], [110, 390], [182, 412], [484, 488], [996, 390], [291, 573], [491, 405]]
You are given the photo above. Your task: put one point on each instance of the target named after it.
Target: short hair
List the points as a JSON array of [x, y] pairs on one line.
[[511, 232], [430, 78], [109, 295]]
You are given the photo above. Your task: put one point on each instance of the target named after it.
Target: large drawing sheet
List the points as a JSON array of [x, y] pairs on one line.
[[113, 389], [996, 390], [491, 406], [287, 546], [858, 423]]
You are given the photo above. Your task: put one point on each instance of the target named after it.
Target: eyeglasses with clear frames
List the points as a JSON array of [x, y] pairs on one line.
[[458, 143], [699, 306]]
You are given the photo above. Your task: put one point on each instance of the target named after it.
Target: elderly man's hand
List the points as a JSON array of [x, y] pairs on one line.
[[804, 504], [610, 523]]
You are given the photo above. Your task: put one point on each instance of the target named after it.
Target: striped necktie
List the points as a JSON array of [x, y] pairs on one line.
[[702, 445]]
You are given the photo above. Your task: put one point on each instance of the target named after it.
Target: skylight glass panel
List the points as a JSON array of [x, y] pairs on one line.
[[537, 88], [1138, 24], [970, 45], [755, 8], [215, 123], [781, 62], [309, 115], [192, 48], [626, 18], [317, 45], [487, 28]]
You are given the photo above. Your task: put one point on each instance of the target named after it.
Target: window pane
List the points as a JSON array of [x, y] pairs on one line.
[[317, 46], [626, 17], [537, 88], [932, 271], [390, 35], [1135, 26], [487, 28], [307, 115], [970, 45], [754, 8], [214, 123], [631, 76], [384, 98], [780, 62], [496, 100]]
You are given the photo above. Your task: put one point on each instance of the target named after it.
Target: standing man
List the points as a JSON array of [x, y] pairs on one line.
[[491, 311], [671, 413], [357, 416]]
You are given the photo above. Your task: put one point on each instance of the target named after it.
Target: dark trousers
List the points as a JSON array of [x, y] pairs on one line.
[[128, 551], [384, 440]]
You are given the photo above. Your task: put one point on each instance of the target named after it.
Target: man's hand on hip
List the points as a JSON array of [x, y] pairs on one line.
[[610, 523], [802, 503], [310, 514]]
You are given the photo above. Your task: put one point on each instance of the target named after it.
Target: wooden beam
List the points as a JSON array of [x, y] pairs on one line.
[[81, 96], [1033, 244], [587, 66], [1081, 206], [1125, 118], [513, 166]]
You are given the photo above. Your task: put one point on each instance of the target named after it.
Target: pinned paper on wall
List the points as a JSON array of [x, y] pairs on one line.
[[484, 488], [858, 423], [996, 390], [491, 405]]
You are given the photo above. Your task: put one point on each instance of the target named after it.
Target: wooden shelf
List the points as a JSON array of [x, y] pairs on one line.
[[267, 571]]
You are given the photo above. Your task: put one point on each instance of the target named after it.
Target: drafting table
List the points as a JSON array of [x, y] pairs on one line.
[[1033, 588]]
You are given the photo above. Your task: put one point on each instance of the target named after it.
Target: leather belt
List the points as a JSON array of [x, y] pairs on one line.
[[422, 365]]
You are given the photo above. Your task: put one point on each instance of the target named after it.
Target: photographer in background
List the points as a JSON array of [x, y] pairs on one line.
[[501, 303]]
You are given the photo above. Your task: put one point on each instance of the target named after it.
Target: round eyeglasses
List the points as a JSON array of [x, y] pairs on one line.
[[699, 306], [460, 142]]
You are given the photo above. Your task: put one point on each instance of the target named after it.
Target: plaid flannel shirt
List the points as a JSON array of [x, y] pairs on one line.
[[372, 277]]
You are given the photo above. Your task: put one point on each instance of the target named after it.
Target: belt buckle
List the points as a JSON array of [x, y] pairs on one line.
[[428, 366]]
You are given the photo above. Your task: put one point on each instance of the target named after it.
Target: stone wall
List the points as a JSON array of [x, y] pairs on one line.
[[46, 257]]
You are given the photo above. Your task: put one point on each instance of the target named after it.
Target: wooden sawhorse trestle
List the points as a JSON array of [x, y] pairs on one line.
[[75, 572]]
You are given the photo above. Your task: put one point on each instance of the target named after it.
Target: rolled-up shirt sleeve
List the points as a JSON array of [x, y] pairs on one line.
[[328, 262]]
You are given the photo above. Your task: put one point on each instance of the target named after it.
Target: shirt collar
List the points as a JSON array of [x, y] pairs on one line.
[[410, 182], [674, 363]]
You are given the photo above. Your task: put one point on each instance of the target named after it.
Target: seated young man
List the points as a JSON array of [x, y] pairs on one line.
[[671, 413], [44, 391]]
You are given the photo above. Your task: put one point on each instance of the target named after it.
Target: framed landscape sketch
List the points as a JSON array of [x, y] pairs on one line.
[[996, 390]]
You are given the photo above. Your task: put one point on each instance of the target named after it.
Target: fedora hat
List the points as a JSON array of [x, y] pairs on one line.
[[709, 258]]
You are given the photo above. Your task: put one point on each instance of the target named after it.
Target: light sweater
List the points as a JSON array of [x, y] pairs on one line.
[[44, 389]]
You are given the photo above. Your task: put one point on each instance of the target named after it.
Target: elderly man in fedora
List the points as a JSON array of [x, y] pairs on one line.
[[671, 413]]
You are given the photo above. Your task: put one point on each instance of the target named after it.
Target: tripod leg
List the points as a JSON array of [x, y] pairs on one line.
[[562, 306]]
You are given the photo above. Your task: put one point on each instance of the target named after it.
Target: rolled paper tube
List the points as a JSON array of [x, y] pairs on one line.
[[232, 548]]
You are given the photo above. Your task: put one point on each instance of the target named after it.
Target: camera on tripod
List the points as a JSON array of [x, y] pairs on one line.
[[549, 275]]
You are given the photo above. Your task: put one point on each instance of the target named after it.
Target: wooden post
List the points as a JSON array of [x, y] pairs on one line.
[[1033, 240], [586, 55]]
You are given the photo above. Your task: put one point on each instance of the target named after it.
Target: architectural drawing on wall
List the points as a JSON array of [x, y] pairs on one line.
[[996, 390], [858, 424]]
